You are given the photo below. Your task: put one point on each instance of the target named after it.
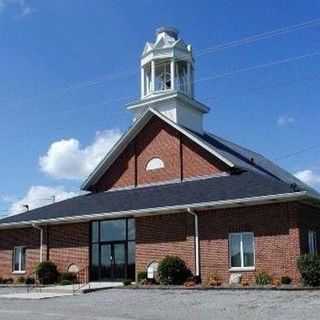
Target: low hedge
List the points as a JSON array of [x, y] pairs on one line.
[[309, 267]]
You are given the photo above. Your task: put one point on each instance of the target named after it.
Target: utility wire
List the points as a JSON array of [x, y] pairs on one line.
[[260, 36], [202, 52], [259, 66], [293, 154]]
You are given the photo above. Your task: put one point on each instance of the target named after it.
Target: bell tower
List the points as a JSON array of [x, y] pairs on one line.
[[167, 81]]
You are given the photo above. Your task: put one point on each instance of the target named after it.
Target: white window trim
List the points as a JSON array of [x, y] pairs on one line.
[[312, 242], [20, 271], [242, 268]]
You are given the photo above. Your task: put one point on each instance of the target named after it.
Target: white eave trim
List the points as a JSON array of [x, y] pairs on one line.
[[130, 135], [165, 210], [166, 96]]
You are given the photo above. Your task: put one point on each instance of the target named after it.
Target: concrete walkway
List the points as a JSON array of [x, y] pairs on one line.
[[34, 295], [39, 293]]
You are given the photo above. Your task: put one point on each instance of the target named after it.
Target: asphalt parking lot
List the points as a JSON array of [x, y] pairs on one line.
[[124, 304]]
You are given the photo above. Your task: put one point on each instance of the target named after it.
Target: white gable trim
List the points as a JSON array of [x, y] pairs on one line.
[[123, 142]]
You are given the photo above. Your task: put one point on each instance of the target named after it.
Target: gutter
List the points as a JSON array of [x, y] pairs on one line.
[[196, 240], [167, 209], [41, 240]]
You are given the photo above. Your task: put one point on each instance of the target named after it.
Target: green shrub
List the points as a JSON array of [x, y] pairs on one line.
[[8, 281], [30, 281], [263, 279], [1, 280], [21, 280], [70, 276], [286, 280], [142, 275], [47, 272], [127, 282], [66, 283], [309, 267], [173, 270]]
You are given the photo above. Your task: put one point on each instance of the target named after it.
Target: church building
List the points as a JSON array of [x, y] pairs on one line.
[[169, 187]]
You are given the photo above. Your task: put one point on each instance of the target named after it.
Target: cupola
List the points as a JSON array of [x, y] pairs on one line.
[[167, 81]]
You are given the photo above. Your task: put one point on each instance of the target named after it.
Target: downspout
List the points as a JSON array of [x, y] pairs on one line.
[[196, 240], [41, 240]]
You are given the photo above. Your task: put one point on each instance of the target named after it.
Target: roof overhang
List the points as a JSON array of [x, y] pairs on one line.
[[234, 203], [123, 142], [160, 97]]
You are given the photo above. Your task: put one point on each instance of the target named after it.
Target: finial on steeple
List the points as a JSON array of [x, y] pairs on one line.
[[170, 31]]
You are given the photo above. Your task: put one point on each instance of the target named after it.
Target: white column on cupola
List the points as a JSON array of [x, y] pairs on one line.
[[189, 79], [172, 74], [153, 77], [142, 82]]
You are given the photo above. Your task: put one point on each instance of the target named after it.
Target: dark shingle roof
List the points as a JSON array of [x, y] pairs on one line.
[[238, 186], [242, 158]]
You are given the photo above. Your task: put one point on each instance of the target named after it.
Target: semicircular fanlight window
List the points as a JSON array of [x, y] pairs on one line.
[[154, 164]]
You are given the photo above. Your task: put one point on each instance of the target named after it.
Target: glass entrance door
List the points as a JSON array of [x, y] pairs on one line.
[[113, 261], [112, 250], [118, 261]]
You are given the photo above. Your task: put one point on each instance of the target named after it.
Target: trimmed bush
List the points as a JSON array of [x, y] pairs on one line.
[[309, 267], [30, 281], [286, 280], [66, 283], [127, 282], [21, 280], [142, 275], [263, 279], [70, 276], [173, 270], [47, 272], [8, 281]]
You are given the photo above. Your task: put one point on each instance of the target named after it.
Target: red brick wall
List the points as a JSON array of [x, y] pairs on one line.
[[29, 238], [69, 244], [158, 236], [121, 173], [277, 243], [197, 161], [276, 239], [182, 159]]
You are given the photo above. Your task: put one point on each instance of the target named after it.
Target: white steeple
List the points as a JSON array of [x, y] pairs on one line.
[[167, 73]]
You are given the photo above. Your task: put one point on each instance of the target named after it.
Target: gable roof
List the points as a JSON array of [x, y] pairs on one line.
[[231, 154], [244, 188], [120, 146]]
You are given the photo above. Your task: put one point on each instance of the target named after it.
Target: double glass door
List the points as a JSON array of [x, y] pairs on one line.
[[112, 250], [113, 261]]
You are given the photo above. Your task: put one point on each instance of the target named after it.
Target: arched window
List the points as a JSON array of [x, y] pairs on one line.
[[154, 164]]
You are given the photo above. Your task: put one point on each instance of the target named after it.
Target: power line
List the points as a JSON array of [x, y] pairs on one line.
[[205, 51], [260, 36], [293, 154], [259, 66]]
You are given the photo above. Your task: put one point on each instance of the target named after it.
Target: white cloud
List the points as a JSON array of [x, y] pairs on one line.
[[285, 120], [309, 177], [66, 159], [39, 196], [24, 9]]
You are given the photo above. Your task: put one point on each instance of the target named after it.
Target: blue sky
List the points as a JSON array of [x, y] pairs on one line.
[[69, 67]]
